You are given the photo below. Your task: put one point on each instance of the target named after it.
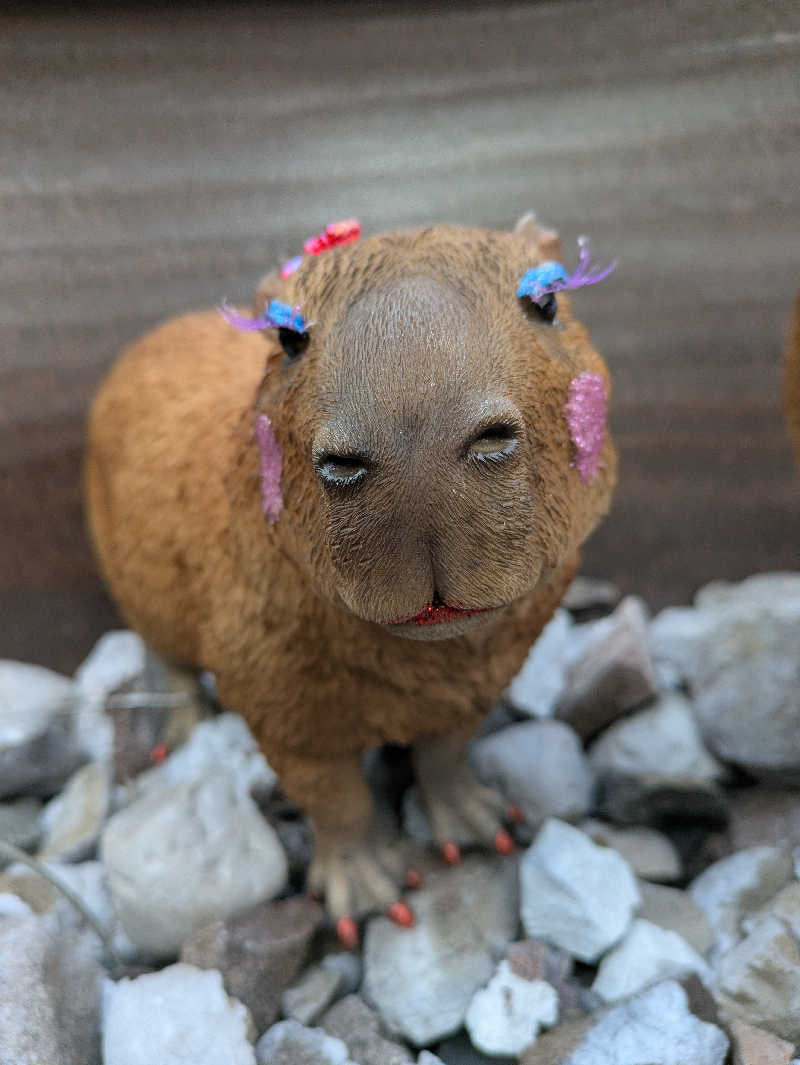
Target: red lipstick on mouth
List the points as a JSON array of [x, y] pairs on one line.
[[436, 613]]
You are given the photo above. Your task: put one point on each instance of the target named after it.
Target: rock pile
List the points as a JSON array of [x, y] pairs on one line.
[[652, 914]]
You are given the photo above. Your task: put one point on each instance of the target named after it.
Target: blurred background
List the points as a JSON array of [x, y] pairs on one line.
[[157, 160]]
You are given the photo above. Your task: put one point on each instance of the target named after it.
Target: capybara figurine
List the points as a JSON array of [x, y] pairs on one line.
[[791, 390], [359, 510]]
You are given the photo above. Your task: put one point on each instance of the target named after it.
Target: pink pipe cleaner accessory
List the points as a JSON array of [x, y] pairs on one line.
[[550, 277], [289, 267], [271, 463], [277, 316], [586, 416], [333, 236]]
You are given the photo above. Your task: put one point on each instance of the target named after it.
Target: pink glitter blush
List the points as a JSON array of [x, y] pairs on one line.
[[271, 462], [586, 416]]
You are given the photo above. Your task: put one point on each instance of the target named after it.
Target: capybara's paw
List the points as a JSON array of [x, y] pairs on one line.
[[460, 808], [358, 874]]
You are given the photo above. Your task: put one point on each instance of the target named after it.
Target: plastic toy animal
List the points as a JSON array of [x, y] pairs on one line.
[[362, 522]]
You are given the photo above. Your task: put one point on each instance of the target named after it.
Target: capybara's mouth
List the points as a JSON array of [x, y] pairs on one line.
[[436, 613]]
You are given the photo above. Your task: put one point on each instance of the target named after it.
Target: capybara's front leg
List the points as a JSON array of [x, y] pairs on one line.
[[461, 809], [357, 865]]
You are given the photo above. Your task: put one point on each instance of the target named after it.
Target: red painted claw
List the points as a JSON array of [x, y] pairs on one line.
[[347, 931], [401, 913], [158, 753], [503, 843], [451, 852], [413, 878], [514, 813]]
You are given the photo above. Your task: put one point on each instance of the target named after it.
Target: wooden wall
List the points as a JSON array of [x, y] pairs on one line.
[[154, 160]]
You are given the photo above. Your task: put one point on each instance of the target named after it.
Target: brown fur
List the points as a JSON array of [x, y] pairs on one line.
[[791, 389], [417, 339]]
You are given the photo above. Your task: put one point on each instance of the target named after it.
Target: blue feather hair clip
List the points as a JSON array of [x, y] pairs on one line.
[[550, 277], [276, 316]]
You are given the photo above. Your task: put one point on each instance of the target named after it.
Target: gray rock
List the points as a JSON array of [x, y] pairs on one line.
[[612, 676], [655, 1027], [588, 593], [647, 955], [661, 741], [19, 824], [37, 747], [537, 687], [735, 887], [677, 912], [49, 994], [760, 813], [183, 856], [650, 854], [178, 1015], [655, 799], [541, 766], [360, 1028], [533, 959], [556, 1046], [739, 651], [458, 1050], [752, 1046], [72, 821], [259, 952], [505, 1016], [349, 968], [575, 894], [290, 1043], [747, 690], [307, 1000], [421, 979], [426, 1058], [758, 981]]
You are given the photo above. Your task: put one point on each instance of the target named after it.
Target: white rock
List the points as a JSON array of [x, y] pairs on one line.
[[37, 709], [674, 636], [291, 1043], [178, 1016], [116, 658], [307, 1000], [426, 1058], [737, 886], [49, 994], [183, 856], [505, 1016], [577, 895], [764, 589], [663, 740], [540, 765], [759, 980], [421, 979], [12, 905], [537, 686], [647, 955], [72, 821], [656, 1028], [650, 854], [224, 743]]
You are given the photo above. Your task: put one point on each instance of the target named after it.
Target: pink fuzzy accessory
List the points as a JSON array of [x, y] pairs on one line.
[[586, 416], [271, 463]]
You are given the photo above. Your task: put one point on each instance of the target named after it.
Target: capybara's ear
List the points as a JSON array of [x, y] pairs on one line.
[[546, 241], [271, 287]]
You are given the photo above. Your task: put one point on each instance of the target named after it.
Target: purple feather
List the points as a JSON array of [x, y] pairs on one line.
[[550, 277]]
